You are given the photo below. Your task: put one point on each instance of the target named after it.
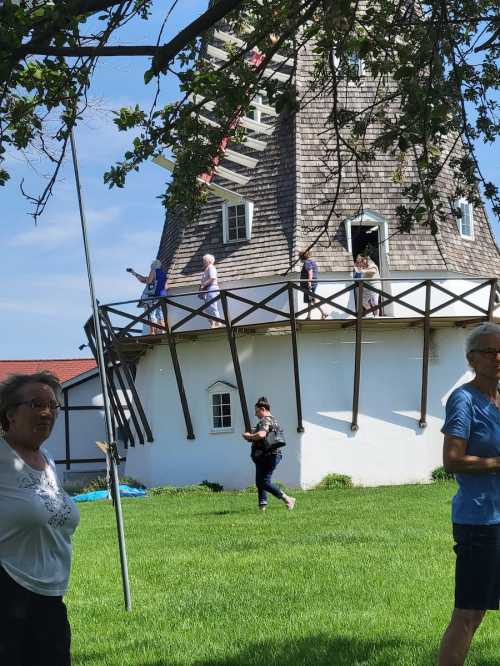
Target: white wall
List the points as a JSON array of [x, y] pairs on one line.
[[222, 457], [389, 447]]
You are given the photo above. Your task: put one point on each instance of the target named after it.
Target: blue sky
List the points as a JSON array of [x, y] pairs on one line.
[[44, 297]]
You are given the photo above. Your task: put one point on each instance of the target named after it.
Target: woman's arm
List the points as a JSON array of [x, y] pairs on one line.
[[255, 436], [456, 460], [143, 278]]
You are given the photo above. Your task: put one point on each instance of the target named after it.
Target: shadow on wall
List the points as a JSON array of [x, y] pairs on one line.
[[324, 651], [390, 386]]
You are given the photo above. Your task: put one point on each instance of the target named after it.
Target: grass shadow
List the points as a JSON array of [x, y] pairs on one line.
[[322, 651]]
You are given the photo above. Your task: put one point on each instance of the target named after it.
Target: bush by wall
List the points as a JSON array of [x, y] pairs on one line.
[[331, 481], [440, 474]]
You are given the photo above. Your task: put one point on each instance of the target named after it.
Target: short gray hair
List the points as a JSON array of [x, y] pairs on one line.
[[10, 388], [209, 257], [155, 264], [481, 331]]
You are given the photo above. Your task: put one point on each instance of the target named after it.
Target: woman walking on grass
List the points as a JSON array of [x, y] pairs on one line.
[[472, 452], [37, 521], [265, 460]]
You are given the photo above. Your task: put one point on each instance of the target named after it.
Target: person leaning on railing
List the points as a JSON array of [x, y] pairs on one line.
[[471, 451], [156, 286], [37, 521]]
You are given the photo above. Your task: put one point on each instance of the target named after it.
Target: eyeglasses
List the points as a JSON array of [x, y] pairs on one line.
[[39, 406], [490, 352]]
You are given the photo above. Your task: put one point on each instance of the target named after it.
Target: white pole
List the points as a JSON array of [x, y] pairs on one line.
[[113, 451]]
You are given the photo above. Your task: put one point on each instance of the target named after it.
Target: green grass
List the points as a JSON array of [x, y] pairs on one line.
[[352, 576]]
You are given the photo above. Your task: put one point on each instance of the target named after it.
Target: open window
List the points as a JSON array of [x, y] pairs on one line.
[[237, 221], [221, 401], [368, 234]]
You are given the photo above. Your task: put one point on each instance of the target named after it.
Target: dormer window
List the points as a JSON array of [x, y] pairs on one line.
[[466, 219], [237, 222], [349, 67]]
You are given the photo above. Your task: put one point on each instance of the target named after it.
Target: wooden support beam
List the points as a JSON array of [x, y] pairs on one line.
[[113, 355], [491, 302], [425, 356], [129, 437], [236, 362], [178, 374], [66, 429], [296, 375], [357, 356], [128, 375]]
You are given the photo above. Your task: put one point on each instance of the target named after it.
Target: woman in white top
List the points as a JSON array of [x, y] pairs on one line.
[[209, 288], [37, 522], [371, 272]]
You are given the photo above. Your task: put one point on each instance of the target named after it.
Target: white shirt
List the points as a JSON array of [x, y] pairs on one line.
[[37, 521]]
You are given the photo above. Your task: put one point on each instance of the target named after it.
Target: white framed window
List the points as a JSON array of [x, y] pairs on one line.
[[465, 219], [256, 110], [221, 397], [351, 67], [237, 222]]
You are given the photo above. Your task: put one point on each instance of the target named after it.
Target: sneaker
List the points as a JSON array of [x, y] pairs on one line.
[[290, 503], [262, 507]]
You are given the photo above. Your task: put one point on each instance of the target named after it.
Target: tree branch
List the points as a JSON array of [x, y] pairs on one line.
[[162, 55]]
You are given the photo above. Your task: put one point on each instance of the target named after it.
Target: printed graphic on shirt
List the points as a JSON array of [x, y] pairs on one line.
[[56, 502]]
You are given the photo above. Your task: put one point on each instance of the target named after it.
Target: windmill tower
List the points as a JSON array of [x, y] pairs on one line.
[[357, 395]]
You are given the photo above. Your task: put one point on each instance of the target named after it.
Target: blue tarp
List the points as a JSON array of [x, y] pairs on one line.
[[125, 491]]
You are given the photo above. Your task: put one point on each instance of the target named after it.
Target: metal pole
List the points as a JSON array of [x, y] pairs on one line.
[[113, 451]]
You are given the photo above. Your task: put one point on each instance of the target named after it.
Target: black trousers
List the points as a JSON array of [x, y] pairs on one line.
[[34, 629]]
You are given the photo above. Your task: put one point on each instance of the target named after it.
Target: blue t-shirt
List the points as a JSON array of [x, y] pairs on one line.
[[471, 415], [310, 265]]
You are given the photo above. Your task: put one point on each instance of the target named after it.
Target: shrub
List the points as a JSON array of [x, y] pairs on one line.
[[440, 474], [99, 483], [213, 486], [331, 481], [198, 489]]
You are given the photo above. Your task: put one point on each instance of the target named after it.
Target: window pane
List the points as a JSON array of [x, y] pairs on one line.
[[217, 422], [226, 421], [465, 209], [216, 410], [226, 410], [225, 398]]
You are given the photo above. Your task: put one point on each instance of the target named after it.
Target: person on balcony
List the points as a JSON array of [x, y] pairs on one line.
[[37, 522], [370, 271], [309, 281], [471, 451], [209, 288], [156, 286], [265, 460]]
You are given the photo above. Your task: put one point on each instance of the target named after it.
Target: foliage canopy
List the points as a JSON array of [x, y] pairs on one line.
[[437, 60]]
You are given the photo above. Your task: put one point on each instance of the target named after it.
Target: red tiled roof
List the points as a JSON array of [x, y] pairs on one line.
[[63, 368]]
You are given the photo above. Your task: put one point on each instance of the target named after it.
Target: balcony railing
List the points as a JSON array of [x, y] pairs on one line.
[[278, 304]]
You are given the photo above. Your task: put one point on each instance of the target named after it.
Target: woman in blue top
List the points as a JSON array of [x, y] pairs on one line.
[[156, 286], [309, 281], [472, 452]]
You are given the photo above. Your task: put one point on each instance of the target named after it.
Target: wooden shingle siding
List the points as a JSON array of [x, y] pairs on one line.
[[292, 188]]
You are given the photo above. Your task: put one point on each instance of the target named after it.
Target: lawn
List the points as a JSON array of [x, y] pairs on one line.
[[352, 576]]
